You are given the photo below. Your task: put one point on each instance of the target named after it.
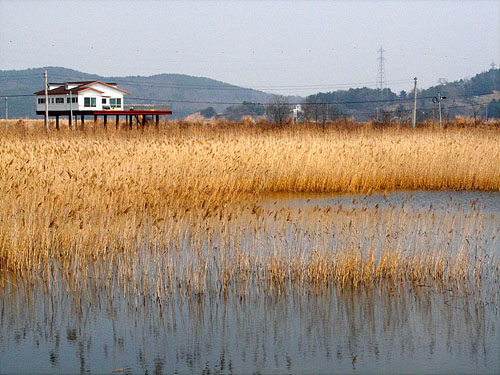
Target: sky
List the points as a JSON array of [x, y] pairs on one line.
[[286, 47]]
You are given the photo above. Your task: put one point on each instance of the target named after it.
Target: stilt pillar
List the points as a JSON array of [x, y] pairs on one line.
[[105, 121], [82, 119], [95, 121], [157, 120], [117, 121], [57, 122]]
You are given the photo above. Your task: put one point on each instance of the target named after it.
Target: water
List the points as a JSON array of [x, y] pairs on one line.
[[487, 203], [385, 328]]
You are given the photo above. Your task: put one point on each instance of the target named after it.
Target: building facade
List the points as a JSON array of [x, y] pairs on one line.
[[95, 99], [80, 97]]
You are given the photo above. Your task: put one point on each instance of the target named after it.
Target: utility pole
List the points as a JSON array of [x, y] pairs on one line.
[[414, 122], [438, 99], [71, 110], [6, 113], [46, 103], [440, 115]]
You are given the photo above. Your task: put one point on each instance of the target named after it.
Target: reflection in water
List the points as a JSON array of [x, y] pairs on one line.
[[381, 329], [416, 201], [122, 321]]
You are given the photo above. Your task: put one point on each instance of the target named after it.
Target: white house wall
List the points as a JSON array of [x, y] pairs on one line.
[[54, 106], [89, 94], [107, 93], [64, 106]]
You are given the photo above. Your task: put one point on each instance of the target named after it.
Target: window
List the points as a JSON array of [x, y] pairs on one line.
[[89, 102], [41, 100], [74, 100], [52, 100], [103, 100], [59, 100], [67, 100], [115, 102]]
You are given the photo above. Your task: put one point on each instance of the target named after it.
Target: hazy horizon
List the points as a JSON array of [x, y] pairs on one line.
[[287, 47]]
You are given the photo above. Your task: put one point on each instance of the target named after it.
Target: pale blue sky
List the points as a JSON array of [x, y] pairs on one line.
[[291, 47]]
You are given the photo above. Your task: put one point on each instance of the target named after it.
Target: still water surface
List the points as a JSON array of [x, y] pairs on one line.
[[382, 329]]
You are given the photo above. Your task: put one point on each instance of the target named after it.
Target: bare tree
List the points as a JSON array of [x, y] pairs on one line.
[[475, 107], [320, 111], [316, 112], [279, 109]]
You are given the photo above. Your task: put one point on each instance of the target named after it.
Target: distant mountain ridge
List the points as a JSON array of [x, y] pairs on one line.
[[477, 96], [473, 97], [186, 94]]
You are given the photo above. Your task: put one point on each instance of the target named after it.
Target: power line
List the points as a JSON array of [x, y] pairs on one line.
[[395, 100], [6, 78], [343, 114], [132, 82], [407, 111], [292, 103], [283, 87], [16, 96]]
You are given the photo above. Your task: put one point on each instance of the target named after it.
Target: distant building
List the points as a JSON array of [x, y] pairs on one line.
[[297, 113], [80, 96]]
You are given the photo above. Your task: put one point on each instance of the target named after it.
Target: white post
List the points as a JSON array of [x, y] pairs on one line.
[[415, 105], [6, 113], [71, 110], [46, 103]]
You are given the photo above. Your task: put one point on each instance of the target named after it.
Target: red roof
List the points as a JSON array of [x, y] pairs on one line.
[[61, 90], [106, 84]]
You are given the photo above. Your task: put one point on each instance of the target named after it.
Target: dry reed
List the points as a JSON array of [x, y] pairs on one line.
[[177, 209]]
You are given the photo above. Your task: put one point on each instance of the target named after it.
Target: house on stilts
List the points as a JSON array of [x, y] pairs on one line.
[[93, 98]]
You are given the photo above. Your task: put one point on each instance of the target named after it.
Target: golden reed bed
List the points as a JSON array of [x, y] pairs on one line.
[[99, 197]]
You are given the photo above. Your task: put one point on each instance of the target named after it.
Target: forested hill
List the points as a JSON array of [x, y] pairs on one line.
[[186, 94], [467, 97], [477, 96]]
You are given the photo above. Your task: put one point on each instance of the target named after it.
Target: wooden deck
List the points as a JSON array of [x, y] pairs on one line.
[[140, 115]]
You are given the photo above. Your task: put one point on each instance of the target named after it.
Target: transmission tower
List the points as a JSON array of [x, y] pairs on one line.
[[381, 69]]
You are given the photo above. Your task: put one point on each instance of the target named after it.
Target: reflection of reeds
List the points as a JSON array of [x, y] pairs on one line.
[[176, 209], [318, 330]]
